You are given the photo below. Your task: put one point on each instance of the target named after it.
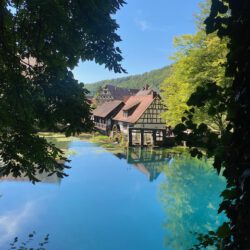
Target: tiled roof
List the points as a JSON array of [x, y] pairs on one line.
[[106, 108], [132, 105], [145, 92], [143, 103], [120, 93]]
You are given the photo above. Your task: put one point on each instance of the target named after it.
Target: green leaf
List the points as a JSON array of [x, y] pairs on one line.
[[223, 231]]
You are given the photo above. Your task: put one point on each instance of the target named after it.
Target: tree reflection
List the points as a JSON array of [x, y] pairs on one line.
[[190, 197], [26, 245], [60, 141]]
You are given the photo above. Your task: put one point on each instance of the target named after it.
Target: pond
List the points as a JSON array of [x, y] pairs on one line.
[[136, 200]]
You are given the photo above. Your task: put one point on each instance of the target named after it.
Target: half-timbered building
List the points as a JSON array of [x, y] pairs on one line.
[[110, 93], [146, 90], [140, 120]]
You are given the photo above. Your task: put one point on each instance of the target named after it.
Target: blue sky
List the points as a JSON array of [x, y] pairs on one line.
[[147, 29]]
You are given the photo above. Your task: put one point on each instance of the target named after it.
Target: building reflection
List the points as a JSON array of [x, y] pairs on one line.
[[149, 161], [43, 178]]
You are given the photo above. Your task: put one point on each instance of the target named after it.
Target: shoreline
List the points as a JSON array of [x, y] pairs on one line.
[[101, 140]]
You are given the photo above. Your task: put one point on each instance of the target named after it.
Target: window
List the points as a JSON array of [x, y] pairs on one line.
[[159, 136], [125, 113]]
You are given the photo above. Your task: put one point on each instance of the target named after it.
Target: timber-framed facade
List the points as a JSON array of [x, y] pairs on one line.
[[141, 122], [138, 118], [103, 115], [109, 93]]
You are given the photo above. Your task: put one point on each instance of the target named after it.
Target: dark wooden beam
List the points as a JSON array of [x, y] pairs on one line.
[[142, 137], [130, 137], [154, 137]]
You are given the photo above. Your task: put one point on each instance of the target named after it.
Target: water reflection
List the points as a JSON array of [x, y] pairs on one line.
[[11, 221], [189, 192], [147, 160], [101, 205], [61, 142], [190, 197], [42, 177], [26, 244]]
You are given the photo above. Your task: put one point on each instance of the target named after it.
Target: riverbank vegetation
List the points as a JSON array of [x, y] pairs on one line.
[[61, 141], [106, 142]]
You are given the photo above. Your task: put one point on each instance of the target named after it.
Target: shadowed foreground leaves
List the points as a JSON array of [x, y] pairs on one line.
[[40, 44], [230, 148]]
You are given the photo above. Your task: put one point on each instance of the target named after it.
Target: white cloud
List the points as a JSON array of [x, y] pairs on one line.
[[143, 25], [11, 222]]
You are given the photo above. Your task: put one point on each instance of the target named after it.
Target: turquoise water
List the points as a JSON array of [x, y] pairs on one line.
[[137, 200]]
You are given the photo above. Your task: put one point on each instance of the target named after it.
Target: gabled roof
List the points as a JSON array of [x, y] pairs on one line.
[[106, 108], [143, 103], [120, 93], [132, 105], [145, 92]]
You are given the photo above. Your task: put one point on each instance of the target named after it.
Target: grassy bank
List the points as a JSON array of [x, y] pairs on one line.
[[61, 141]]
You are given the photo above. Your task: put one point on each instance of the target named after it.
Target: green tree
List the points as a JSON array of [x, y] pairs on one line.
[[40, 43], [231, 149], [152, 78], [199, 59]]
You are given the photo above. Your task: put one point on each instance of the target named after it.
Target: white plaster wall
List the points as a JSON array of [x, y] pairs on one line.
[[124, 129]]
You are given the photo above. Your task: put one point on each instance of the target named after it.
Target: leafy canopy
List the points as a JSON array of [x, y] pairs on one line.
[[40, 43], [229, 19], [199, 59]]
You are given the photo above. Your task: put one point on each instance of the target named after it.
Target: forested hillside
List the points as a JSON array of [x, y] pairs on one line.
[[153, 78]]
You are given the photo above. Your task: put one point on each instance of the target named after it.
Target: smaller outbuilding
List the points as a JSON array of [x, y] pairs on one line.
[[104, 113]]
